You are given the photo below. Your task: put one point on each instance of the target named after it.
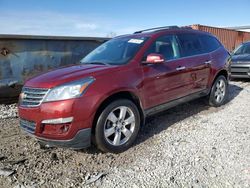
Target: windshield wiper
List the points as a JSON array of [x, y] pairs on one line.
[[97, 63]]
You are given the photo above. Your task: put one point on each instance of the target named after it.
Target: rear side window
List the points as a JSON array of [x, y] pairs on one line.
[[190, 45], [195, 44], [209, 43], [165, 45]]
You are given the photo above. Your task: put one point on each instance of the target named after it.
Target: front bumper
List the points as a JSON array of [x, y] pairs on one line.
[[240, 70], [81, 140], [48, 124]]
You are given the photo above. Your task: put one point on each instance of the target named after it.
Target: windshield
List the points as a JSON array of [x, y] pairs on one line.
[[116, 51], [242, 49]]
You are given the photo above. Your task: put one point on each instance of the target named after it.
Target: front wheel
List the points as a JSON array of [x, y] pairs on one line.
[[117, 126], [219, 92]]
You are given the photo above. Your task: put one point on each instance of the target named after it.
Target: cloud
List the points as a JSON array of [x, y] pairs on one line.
[[51, 23], [61, 24], [86, 26]]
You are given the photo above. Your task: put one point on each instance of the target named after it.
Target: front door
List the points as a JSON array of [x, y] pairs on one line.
[[166, 81]]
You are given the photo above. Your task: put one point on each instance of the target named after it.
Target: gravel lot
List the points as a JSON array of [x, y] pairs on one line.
[[192, 145]]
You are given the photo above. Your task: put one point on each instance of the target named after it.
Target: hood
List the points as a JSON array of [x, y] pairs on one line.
[[68, 74], [243, 58]]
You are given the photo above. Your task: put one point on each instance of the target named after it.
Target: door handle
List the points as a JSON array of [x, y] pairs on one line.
[[208, 62], [180, 68]]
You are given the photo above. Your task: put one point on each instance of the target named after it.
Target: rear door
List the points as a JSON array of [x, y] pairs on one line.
[[196, 61]]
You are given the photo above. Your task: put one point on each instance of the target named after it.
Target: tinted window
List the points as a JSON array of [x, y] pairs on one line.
[[190, 44], [209, 43], [242, 49], [165, 45]]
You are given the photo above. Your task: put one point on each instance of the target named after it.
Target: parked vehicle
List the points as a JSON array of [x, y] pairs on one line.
[[240, 67], [119, 84]]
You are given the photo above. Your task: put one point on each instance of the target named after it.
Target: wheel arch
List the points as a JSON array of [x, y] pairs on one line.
[[222, 72], [115, 96], [211, 99]]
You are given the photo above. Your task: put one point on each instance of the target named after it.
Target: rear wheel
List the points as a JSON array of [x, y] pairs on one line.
[[219, 92], [117, 126]]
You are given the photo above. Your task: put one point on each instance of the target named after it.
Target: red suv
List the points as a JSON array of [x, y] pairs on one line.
[[107, 97]]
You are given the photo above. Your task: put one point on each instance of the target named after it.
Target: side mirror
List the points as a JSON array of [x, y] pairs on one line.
[[155, 59]]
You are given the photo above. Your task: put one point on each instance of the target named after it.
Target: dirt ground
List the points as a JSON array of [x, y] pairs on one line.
[[191, 145]]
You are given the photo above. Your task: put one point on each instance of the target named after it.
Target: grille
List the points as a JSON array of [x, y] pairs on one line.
[[239, 69], [28, 126], [242, 62], [32, 97], [239, 73]]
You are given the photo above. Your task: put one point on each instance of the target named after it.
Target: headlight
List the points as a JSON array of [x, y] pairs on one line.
[[69, 90]]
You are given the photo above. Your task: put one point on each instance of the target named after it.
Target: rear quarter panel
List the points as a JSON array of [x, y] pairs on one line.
[[221, 60]]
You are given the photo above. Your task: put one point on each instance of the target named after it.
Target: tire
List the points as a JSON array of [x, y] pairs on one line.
[[219, 92], [117, 126]]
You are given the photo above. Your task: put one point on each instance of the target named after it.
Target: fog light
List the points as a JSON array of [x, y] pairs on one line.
[[65, 128], [55, 129]]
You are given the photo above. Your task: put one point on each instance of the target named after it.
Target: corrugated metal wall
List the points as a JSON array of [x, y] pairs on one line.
[[230, 38], [22, 57]]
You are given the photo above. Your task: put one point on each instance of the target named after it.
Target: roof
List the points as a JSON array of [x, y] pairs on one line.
[[160, 30], [42, 37]]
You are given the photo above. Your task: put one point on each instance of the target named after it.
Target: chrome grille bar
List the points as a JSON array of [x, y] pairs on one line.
[[32, 97]]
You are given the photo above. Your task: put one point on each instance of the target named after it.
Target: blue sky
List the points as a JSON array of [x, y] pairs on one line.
[[101, 17]]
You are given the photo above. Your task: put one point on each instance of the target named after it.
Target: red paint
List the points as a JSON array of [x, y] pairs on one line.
[[152, 84], [155, 58]]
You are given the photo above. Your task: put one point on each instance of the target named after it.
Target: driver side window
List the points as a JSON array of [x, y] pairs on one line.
[[166, 46]]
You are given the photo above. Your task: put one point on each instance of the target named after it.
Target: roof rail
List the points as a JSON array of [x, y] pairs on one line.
[[186, 27], [157, 28]]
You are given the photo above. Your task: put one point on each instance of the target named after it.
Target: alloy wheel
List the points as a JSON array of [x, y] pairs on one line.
[[119, 126], [220, 91]]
